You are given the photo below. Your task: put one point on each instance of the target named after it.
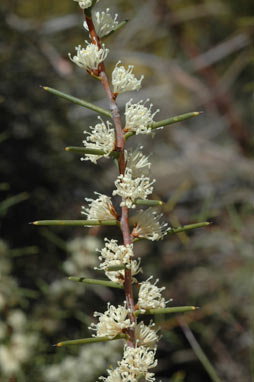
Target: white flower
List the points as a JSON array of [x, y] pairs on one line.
[[113, 254], [16, 352], [71, 369], [104, 23], [124, 80], [89, 57], [139, 117], [136, 362], [148, 225], [112, 322], [146, 335], [114, 376], [85, 3], [149, 296], [135, 365], [130, 188], [137, 162], [101, 137], [100, 208]]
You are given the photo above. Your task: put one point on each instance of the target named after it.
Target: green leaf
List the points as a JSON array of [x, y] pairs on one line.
[[168, 121], [148, 202], [175, 309], [78, 101], [105, 283], [91, 340], [84, 150], [76, 222], [172, 120], [187, 227], [114, 268]]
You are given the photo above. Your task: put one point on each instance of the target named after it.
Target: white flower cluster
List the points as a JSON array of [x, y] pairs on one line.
[[145, 335], [85, 3], [139, 118], [113, 255], [124, 80], [100, 208], [112, 322], [16, 343], [149, 296], [135, 364], [104, 23], [96, 358], [148, 225], [101, 137], [90, 57], [131, 189]]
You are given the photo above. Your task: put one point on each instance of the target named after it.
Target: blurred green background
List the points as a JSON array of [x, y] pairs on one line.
[[195, 55]]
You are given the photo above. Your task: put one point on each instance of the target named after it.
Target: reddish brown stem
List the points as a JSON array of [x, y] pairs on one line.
[[120, 145]]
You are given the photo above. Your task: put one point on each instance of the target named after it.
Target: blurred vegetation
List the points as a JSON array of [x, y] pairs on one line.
[[195, 55]]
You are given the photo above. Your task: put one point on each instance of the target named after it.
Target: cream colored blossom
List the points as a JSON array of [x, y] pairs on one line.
[[85, 3], [149, 296], [112, 322], [131, 189], [139, 118], [136, 362], [145, 335], [148, 225], [100, 208], [90, 57], [15, 352], [114, 376], [118, 276], [137, 162], [113, 254], [104, 23], [134, 365], [101, 137], [124, 80]]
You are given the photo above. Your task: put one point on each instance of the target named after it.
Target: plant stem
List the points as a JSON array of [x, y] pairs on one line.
[[120, 145]]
